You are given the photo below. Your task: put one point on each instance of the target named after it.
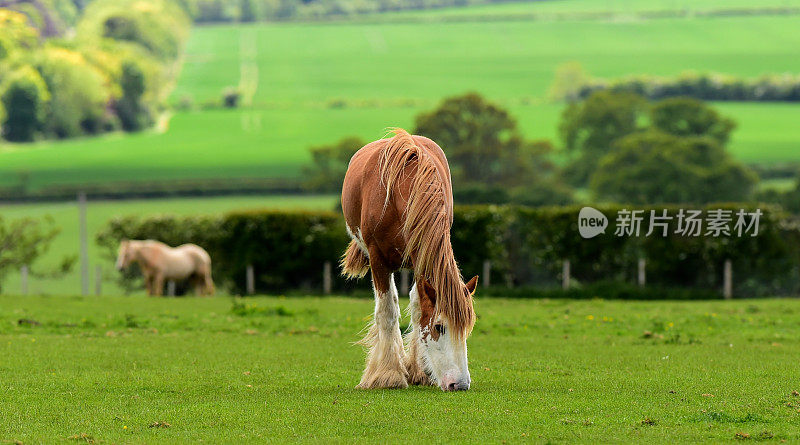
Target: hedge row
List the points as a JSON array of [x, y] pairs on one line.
[[785, 87], [526, 247]]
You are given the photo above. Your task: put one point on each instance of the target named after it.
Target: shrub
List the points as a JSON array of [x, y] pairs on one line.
[[132, 113], [24, 96], [230, 97]]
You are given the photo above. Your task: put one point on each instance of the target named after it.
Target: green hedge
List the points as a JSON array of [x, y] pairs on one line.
[[526, 247]]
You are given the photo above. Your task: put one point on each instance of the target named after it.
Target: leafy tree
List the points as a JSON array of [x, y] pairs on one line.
[[24, 97], [589, 128], [490, 160], [247, 11], [684, 116], [158, 26], [16, 32], [570, 78], [132, 113], [79, 93], [655, 167], [480, 139], [329, 164], [22, 241], [211, 11]]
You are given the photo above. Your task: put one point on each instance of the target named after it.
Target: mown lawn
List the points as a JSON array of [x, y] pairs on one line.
[[120, 369], [319, 82]]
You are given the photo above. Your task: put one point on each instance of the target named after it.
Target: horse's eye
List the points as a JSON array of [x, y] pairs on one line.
[[439, 328]]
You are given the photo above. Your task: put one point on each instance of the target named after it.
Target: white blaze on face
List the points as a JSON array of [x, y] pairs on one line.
[[442, 355], [446, 356]]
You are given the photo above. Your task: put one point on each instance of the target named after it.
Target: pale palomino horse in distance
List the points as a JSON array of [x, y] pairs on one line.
[[397, 202], [160, 262]]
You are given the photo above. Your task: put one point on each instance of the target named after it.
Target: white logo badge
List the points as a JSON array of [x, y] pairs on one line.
[[591, 222]]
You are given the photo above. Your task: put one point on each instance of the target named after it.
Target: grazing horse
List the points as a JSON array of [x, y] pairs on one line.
[[160, 262], [397, 202]]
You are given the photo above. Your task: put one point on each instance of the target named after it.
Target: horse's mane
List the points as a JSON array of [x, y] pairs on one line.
[[426, 227]]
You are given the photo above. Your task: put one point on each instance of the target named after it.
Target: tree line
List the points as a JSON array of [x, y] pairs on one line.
[[221, 11], [619, 147], [573, 83], [113, 73]]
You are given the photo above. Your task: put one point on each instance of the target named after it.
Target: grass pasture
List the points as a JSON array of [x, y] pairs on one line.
[[318, 82], [99, 213], [137, 369]]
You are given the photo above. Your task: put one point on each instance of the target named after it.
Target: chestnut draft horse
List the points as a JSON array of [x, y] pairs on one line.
[[397, 202], [160, 262]]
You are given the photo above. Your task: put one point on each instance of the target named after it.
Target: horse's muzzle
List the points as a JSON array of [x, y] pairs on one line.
[[455, 385]]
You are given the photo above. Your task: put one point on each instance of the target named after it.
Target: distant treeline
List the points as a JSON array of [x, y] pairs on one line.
[[111, 71], [572, 83], [219, 11]]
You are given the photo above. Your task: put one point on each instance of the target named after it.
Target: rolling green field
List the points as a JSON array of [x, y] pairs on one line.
[[309, 84], [144, 370], [99, 213]]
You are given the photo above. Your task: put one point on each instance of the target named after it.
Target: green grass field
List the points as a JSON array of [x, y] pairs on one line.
[[318, 82], [101, 212], [142, 370]]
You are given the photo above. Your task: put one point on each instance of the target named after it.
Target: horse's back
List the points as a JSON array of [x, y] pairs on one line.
[[197, 253], [363, 188]]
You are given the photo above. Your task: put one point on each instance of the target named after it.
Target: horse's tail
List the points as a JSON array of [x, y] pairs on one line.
[[209, 284], [354, 262], [426, 225]]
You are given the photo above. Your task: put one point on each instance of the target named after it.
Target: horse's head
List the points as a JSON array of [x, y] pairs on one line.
[[124, 255], [442, 346]]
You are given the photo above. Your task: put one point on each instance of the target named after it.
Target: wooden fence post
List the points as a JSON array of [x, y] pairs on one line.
[[642, 279], [24, 279], [171, 288], [487, 273], [327, 280], [565, 275], [250, 278], [727, 280], [84, 243], [404, 286], [98, 280]]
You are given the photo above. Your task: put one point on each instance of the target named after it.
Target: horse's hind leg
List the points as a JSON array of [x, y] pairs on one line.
[[197, 283], [385, 368]]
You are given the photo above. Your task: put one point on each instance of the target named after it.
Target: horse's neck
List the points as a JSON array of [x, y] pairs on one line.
[[144, 254]]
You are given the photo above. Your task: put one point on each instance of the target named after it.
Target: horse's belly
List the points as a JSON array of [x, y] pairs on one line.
[[180, 270]]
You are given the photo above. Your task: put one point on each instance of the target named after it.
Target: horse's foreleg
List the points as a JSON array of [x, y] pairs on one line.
[[148, 281], [158, 284], [384, 342], [413, 362]]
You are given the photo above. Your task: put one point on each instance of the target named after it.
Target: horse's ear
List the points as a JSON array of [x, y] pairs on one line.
[[472, 285], [428, 292]]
